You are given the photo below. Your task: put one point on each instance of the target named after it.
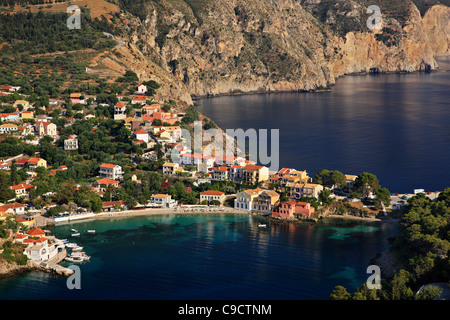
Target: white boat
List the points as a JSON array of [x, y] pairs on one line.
[[77, 248], [71, 245], [76, 234], [80, 255], [91, 231], [74, 259], [262, 225], [74, 230]]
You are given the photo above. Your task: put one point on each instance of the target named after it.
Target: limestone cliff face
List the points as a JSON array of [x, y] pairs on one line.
[[205, 48]]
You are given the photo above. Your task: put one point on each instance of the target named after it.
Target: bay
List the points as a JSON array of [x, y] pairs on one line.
[[395, 126], [210, 256]]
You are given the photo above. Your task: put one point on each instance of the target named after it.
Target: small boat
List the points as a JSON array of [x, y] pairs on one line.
[[77, 248], [80, 255], [91, 231], [71, 245], [76, 234], [74, 230], [74, 259], [262, 225]]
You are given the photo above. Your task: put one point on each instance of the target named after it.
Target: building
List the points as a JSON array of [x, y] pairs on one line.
[[113, 205], [235, 173], [25, 104], [120, 111], [211, 195], [71, 143], [141, 89], [111, 171], [10, 117], [8, 128], [102, 184], [306, 190], [162, 200], [141, 134], [43, 128], [170, 168], [244, 199], [13, 208], [40, 249], [265, 203], [22, 190], [131, 123], [287, 210], [349, 182], [33, 163], [139, 100], [253, 174], [220, 173]]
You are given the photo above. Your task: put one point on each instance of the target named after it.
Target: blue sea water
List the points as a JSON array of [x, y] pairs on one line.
[[396, 126], [210, 256]]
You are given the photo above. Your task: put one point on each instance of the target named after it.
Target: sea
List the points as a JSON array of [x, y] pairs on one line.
[[209, 257], [395, 126]]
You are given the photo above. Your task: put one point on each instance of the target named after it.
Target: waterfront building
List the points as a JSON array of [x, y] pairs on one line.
[[211, 195], [288, 209], [306, 190], [163, 200], [265, 203], [244, 199]]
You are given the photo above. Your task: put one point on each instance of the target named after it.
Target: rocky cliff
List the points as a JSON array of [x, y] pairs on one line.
[[202, 48]]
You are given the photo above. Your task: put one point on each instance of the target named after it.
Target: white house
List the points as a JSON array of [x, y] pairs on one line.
[[111, 171], [141, 134], [142, 89], [163, 200]]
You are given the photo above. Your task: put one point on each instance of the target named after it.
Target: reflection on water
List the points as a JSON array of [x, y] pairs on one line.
[[211, 256], [395, 126]]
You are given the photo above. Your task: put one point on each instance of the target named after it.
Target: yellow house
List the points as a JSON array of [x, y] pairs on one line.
[[27, 223], [26, 115], [37, 162]]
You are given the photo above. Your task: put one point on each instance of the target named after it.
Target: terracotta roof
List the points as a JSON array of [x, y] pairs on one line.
[[12, 205], [22, 186], [160, 196], [36, 232], [212, 193], [140, 131], [108, 165], [106, 181], [252, 167]]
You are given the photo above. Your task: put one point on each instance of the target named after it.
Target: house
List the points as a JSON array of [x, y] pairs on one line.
[[33, 163], [36, 232], [41, 249], [8, 128], [113, 205], [162, 200], [21, 164], [265, 203], [76, 98], [71, 143], [244, 199], [4, 213], [141, 89], [43, 128], [22, 190], [349, 182], [306, 190], [287, 210], [253, 174], [141, 134], [13, 208], [235, 173], [111, 171], [10, 117], [25, 104], [120, 111], [211, 195], [131, 123], [5, 166], [170, 168], [201, 161], [139, 100], [220, 173], [20, 237], [102, 184], [26, 115]]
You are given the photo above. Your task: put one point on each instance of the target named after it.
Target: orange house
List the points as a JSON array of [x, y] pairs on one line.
[[287, 209]]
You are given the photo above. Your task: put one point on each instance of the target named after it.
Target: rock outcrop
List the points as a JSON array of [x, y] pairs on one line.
[[205, 48]]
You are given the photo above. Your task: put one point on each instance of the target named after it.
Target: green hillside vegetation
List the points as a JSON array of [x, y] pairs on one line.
[[422, 247]]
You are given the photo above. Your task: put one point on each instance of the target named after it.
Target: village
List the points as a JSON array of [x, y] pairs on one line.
[[196, 183]]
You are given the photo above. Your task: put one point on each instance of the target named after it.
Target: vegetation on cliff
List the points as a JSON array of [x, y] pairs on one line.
[[422, 247]]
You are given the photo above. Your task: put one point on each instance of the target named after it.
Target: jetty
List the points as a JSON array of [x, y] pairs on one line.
[[52, 265]]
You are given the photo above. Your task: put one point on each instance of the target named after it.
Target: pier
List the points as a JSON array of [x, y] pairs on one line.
[[53, 267]]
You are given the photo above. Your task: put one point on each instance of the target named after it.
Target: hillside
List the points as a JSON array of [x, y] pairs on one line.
[[197, 48]]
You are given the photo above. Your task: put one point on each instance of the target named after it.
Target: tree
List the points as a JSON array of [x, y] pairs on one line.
[[5, 191], [429, 293], [340, 293], [366, 183], [324, 197], [383, 195]]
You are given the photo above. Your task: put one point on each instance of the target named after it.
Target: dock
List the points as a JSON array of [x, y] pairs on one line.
[[53, 267]]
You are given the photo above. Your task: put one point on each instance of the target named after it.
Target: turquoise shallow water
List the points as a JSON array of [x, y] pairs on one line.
[[221, 256]]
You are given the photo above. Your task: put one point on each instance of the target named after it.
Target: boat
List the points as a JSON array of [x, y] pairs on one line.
[[76, 234], [91, 231], [74, 230], [262, 225], [80, 254], [77, 248], [74, 259], [71, 245]]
